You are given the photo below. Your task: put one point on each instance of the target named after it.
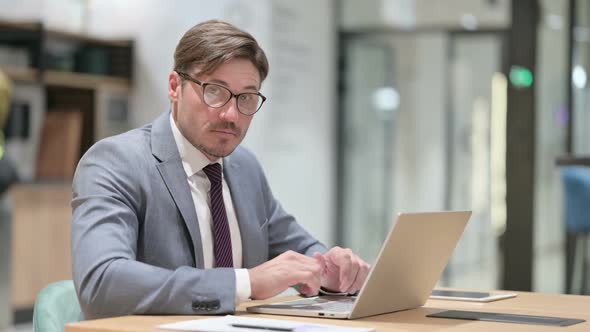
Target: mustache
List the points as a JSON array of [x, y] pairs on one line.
[[227, 126]]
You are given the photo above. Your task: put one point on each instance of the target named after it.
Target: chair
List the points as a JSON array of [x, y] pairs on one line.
[[56, 305], [576, 180]]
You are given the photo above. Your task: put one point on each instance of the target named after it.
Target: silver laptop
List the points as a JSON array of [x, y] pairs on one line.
[[409, 264]]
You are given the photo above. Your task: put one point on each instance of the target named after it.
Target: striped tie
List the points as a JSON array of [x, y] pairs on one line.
[[221, 236]]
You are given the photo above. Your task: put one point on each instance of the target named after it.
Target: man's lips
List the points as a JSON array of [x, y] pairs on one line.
[[226, 132]]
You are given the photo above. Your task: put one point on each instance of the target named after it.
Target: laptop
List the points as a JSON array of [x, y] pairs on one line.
[[409, 264]]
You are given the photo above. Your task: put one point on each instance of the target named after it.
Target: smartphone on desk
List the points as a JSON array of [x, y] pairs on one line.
[[471, 296]]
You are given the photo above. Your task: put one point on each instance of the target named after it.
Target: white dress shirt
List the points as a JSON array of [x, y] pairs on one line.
[[193, 162]]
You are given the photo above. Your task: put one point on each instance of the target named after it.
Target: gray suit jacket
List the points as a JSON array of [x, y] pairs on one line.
[[136, 246]]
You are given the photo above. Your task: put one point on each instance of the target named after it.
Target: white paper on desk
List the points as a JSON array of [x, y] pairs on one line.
[[223, 324]]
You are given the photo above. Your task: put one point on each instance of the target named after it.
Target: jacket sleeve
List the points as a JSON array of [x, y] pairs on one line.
[[107, 204]]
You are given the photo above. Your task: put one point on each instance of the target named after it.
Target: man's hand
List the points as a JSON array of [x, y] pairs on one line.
[[285, 270], [342, 271]]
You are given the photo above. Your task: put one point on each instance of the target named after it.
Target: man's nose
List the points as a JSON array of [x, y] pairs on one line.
[[230, 111]]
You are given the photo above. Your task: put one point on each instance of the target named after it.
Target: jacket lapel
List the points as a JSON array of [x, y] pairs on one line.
[[170, 167], [252, 247]]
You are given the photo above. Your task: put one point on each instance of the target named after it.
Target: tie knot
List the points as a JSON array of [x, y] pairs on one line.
[[213, 172]]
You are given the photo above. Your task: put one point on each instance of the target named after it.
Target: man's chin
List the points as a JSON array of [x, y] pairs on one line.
[[218, 152]]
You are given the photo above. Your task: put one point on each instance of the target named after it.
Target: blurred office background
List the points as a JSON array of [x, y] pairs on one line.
[[375, 107]]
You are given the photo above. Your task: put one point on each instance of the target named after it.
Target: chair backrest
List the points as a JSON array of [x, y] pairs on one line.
[[56, 305], [576, 180]]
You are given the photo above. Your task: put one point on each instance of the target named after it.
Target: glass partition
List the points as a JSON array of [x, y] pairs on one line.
[[416, 134]]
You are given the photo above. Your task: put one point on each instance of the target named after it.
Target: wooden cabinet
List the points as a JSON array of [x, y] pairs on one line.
[[30, 52], [77, 73], [55, 72], [40, 239]]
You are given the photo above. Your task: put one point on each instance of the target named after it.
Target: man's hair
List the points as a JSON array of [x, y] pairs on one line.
[[211, 43]]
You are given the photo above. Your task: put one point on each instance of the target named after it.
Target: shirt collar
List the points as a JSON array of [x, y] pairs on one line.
[[193, 160]]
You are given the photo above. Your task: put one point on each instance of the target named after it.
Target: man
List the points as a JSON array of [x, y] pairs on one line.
[[159, 228]]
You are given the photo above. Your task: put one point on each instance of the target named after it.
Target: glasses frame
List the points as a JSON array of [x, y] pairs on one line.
[[203, 85]]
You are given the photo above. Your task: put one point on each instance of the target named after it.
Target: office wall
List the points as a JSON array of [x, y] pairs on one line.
[[409, 14], [21, 10], [487, 14], [293, 134], [420, 142]]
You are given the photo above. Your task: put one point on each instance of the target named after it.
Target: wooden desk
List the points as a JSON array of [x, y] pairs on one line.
[[570, 306]]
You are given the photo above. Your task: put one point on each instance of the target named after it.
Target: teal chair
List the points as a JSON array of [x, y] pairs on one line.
[[576, 180], [56, 305]]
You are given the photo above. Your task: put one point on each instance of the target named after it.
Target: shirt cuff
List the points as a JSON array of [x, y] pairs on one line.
[[243, 290]]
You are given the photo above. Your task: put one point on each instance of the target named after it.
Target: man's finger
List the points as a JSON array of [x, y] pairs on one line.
[[347, 270], [320, 259], [305, 290], [348, 282], [361, 275], [311, 279], [301, 258]]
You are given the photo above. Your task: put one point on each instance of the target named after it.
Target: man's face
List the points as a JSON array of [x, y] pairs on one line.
[[214, 131]]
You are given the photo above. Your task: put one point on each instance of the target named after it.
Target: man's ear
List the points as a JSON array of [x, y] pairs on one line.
[[174, 86]]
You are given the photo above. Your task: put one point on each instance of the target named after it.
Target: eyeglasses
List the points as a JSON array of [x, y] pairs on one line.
[[216, 96]]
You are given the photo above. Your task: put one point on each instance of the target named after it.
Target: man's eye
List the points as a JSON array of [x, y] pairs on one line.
[[213, 89], [246, 97]]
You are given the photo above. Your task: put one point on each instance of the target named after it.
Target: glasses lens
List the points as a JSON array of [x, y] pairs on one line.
[[249, 103], [215, 95]]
